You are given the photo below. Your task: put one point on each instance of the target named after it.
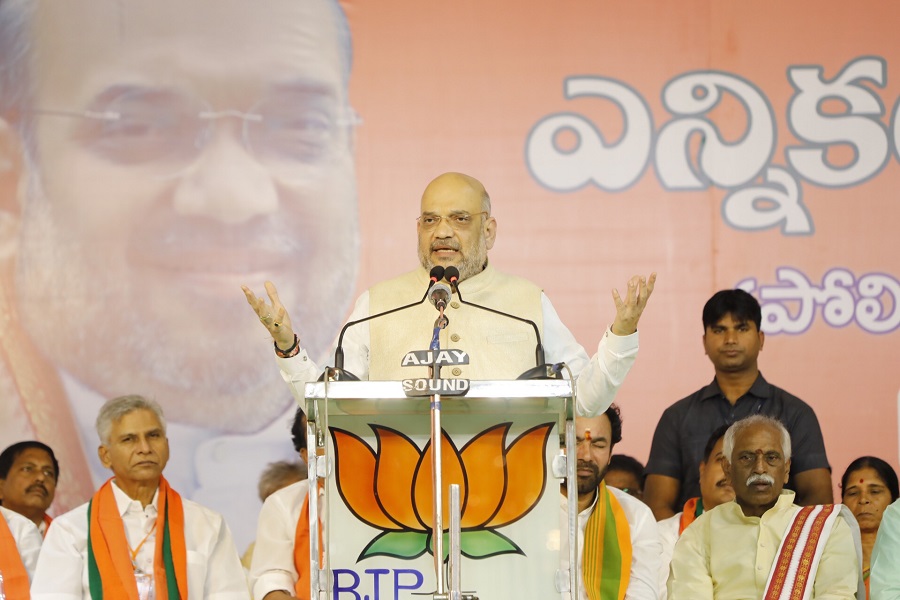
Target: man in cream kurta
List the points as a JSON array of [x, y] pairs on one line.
[[456, 229], [729, 551]]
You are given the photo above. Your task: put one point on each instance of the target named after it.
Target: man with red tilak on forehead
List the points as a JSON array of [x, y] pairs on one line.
[[763, 545]]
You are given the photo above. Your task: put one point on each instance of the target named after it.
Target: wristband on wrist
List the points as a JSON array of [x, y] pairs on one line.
[[294, 350]]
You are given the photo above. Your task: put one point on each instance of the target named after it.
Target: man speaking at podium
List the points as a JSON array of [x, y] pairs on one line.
[[456, 229]]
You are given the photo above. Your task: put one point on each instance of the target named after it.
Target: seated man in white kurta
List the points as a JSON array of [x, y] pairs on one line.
[[137, 537], [456, 229], [618, 543], [20, 543]]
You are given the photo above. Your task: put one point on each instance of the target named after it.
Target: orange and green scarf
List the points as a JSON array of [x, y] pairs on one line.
[[110, 572], [15, 577], [606, 563], [693, 508]]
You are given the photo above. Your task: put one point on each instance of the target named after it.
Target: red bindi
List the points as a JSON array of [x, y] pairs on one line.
[[860, 480]]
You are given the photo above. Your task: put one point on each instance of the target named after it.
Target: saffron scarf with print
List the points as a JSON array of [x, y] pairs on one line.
[[110, 571], [15, 577], [606, 563], [301, 553], [693, 508]]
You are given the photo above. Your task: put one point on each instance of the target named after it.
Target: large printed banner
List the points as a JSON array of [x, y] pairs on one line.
[[154, 156]]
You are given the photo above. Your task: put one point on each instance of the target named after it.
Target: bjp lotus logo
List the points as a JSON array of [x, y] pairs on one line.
[[390, 488]]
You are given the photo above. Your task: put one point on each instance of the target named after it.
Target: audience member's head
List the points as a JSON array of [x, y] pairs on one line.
[[731, 336], [28, 475], [279, 475], [133, 442], [741, 305], [595, 437], [758, 454], [715, 488], [298, 434], [868, 486], [626, 473]]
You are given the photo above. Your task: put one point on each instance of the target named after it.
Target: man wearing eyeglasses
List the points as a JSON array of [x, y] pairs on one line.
[[763, 545], [154, 155], [456, 228]]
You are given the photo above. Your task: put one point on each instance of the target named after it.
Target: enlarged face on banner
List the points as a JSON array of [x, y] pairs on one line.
[[181, 149]]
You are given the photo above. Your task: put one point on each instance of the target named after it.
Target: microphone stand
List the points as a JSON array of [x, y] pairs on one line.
[[543, 370], [338, 373]]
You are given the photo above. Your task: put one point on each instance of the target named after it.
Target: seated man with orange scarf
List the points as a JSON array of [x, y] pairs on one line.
[[618, 543], [137, 538], [715, 489], [20, 542], [280, 566]]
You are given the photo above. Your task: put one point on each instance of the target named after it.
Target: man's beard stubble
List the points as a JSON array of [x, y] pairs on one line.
[[589, 484], [472, 263]]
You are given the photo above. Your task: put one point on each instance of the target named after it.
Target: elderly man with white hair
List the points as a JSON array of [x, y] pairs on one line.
[[137, 538], [763, 545]]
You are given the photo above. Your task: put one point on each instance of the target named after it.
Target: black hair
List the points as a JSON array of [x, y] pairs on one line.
[[629, 464], [717, 435], [298, 430], [8, 456], [738, 303], [615, 423], [885, 472]]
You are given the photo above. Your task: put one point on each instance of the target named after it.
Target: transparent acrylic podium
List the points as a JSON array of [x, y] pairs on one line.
[[371, 467]]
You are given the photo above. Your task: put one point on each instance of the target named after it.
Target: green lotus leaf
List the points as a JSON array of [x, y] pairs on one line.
[[397, 544]]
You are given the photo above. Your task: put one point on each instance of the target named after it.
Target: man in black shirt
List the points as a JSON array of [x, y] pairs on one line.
[[732, 340]]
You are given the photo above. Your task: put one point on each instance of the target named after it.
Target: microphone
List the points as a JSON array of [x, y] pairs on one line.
[[439, 295], [542, 370], [338, 372]]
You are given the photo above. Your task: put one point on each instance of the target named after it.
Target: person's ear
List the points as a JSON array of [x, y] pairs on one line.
[[787, 471], [103, 454], [490, 232], [12, 187]]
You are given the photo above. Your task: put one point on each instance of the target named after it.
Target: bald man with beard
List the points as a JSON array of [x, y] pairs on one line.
[[455, 228]]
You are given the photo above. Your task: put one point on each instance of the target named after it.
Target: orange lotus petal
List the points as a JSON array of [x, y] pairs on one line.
[[526, 469], [484, 462], [395, 468], [355, 471], [453, 472]]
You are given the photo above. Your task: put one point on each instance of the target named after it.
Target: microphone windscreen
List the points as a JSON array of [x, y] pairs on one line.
[[437, 273], [452, 274]]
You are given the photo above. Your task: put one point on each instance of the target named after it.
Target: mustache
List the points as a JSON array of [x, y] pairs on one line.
[[37, 486], [761, 478], [444, 244], [583, 464]]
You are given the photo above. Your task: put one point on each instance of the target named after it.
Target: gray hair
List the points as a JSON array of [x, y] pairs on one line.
[[117, 408], [276, 473], [15, 78], [740, 426]]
